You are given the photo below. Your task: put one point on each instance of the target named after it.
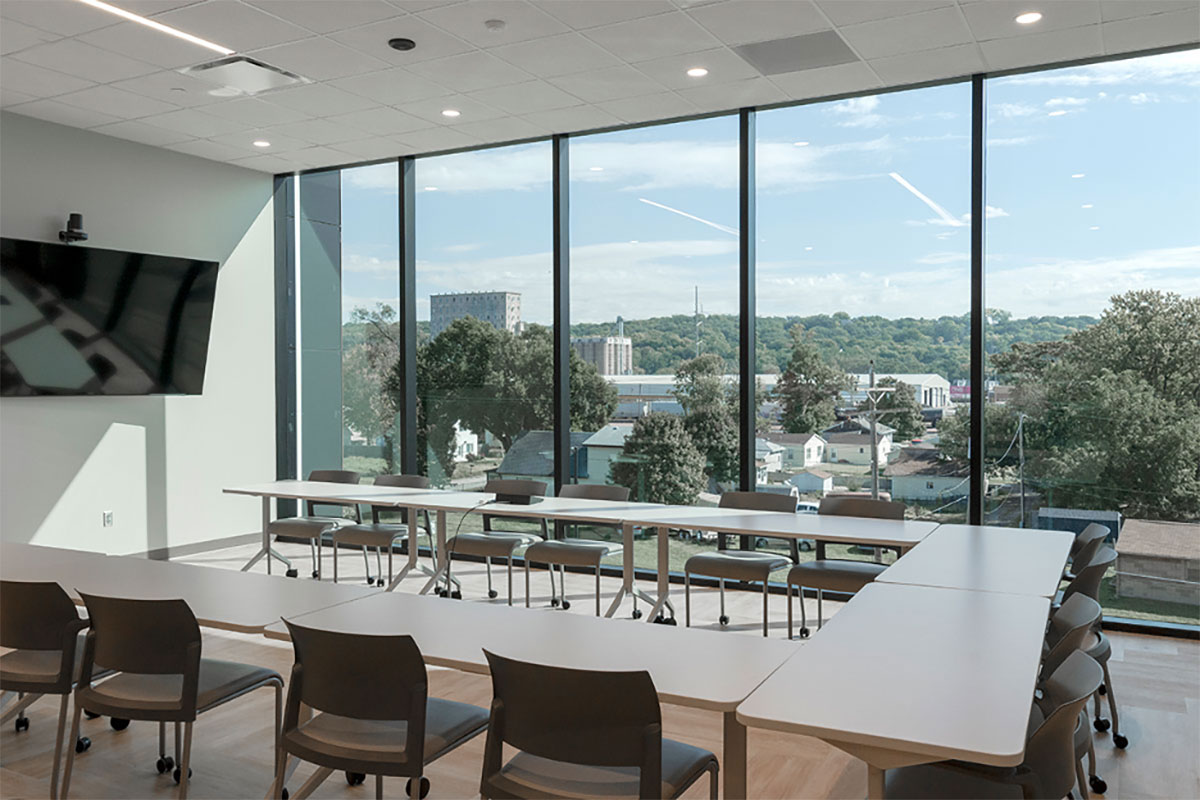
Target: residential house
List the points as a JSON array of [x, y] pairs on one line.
[[768, 458], [601, 448], [800, 450], [532, 456], [923, 475], [812, 481], [1159, 561]]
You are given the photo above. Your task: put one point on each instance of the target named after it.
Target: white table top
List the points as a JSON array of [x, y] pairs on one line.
[[364, 493], [825, 527], [940, 673], [986, 559], [703, 669]]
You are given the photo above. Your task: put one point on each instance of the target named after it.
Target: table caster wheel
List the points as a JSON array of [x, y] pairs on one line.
[[424, 787], [554, 602], [804, 633], [118, 724], [22, 724], [175, 774], [566, 604], [284, 793], [379, 583], [314, 574], [1101, 725], [724, 620], [456, 595], [1103, 690], [292, 573], [90, 714], [1098, 785], [164, 764], [82, 744], [637, 613], [355, 778], [671, 621], [1120, 741], [493, 594]]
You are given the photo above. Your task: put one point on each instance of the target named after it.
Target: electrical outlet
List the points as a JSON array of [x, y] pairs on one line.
[[107, 517]]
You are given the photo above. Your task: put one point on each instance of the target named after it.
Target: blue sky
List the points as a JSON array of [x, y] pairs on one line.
[[869, 216]]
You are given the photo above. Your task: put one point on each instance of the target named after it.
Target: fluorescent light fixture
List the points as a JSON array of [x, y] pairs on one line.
[[158, 26], [1077, 175], [1029, 17], [261, 143], [799, 144], [450, 112], [697, 72], [1058, 113]]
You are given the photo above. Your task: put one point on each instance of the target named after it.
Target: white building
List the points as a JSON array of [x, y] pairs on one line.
[[602, 447], [929, 389], [501, 309], [800, 450], [812, 481], [610, 355], [922, 474], [466, 444]]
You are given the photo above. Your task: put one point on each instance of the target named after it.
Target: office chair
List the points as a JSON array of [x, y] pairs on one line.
[[1085, 546], [1069, 627], [312, 526], [382, 535]]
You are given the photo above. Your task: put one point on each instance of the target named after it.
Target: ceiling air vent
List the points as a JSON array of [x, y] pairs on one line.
[[237, 76], [811, 51]]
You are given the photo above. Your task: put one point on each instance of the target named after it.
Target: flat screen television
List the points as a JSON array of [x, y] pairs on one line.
[[86, 321]]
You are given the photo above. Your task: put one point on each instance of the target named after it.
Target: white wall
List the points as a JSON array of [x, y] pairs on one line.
[[158, 463]]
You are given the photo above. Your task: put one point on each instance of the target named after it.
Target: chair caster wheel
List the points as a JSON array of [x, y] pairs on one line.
[[355, 778], [90, 714], [22, 724], [661, 620], [424, 787], [380, 583], [1098, 785], [314, 574], [118, 724], [554, 602], [292, 573], [456, 595], [1101, 725], [1120, 741], [164, 764], [804, 633], [637, 613], [284, 794], [566, 604], [724, 620], [1102, 690], [82, 744], [175, 774], [441, 592], [493, 594], [370, 581]]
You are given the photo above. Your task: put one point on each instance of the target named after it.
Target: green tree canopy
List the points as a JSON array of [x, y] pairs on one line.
[[902, 410], [659, 463], [709, 413], [808, 389]]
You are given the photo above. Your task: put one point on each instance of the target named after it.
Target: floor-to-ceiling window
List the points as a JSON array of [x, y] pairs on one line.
[[1093, 290]]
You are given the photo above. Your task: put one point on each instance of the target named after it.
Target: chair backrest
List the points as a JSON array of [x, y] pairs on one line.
[[35, 615], [759, 501], [595, 491], [399, 481], [1088, 576], [1050, 750], [847, 506], [330, 476], [578, 716], [151, 637], [515, 490], [1092, 532], [1069, 626], [1090, 546]]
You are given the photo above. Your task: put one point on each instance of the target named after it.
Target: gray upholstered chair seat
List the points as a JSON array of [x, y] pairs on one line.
[[736, 565], [373, 745], [493, 544], [572, 552], [532, 776], [369, 534], [219, 682], [306, 527], [835, 575], [950, 781]]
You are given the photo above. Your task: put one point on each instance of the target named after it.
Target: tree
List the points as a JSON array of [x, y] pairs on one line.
[[709, 414], [367, 407], [902, 410], [808, 388], [659, 463]]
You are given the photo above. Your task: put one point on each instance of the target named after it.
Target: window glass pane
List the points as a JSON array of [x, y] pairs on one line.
[[654, 311], [1093, 286], [864, 258]]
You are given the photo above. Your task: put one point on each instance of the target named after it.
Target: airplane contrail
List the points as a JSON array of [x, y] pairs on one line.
[[946, 216], [709, 223]]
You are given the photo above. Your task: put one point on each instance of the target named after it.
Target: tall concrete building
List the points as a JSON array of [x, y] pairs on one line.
[[501, 309], [610, 355]]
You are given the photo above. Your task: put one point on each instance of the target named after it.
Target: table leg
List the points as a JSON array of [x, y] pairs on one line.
[[874, 783], [443, 557], [626, 569], [662, 602], [265, 551], [734, 757], [411, 516]]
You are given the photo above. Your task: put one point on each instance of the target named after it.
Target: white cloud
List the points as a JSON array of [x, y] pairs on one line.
[[369, 265], [1011, 110], [938, 259], [1182, 68], [376, 176], [462, 248], [1011, 141], [1141, 98], [859, 111], [1066, 102]]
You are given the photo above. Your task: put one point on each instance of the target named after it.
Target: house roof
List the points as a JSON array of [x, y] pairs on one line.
[[816, 473], [1175, 540], [857, 424], [854, 437], [533, 453], [762, 447], [791, 438], [928, 463], [609, 436]]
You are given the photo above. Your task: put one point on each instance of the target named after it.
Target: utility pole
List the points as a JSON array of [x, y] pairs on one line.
[[699, 321], [874, 448], [1021, 462]]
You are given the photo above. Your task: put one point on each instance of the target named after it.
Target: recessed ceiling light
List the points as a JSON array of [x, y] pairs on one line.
[[450, 112], [697, 72], [596, 169], [261, 143], [401, 43], [1029, 17], [1087, 205], [1058, 113], [431, 188], [799, 144], [158, 26], [1077, 175]]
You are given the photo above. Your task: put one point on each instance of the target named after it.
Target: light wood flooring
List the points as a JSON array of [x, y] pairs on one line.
[[1157, 682]]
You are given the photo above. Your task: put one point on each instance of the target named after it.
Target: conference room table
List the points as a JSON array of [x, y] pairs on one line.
[[905, 675], [986, 558], [690, 667]]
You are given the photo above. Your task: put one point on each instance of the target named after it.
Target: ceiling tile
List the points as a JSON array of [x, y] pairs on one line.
[[146, 44], [754, 92], [253, 112], [244, 141], [54, 111], [434, 139], [996, 19], [15, 36], [119, 103], [1124, 9], [607, 84], [317, 131], [84, 61], [9, 97], [194, 123], [391, 87], [64, 17], [1038, 48], [928, 65], [381, 121], [852, 12], [471, 71], [206, 149], [171, 87], [824, 81], [149, 8], [653, 37], [581, 14], [137, 131], [319, 100], [577, 118], [557, 55], [522, 21], [759, 20], [908, 34], [471, 109], [503, 129], [232, 24], [523, 98], [272, 164], [723, 65], [38, 81], [432, 42], [373, 147], [648, 107], [327, 16], [1159, 30], [320, 59]]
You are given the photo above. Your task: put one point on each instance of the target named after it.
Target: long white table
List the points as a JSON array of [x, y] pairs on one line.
[[912, 674], [690, 667], [987, 559]]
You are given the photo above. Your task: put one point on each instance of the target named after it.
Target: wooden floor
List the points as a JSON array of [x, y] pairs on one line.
[[1157, 681]]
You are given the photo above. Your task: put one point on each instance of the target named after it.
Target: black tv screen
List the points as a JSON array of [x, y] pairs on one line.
[[85, 321]]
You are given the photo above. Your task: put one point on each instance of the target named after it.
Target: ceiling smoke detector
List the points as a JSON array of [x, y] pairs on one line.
[[401, 43], [238, 76]]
